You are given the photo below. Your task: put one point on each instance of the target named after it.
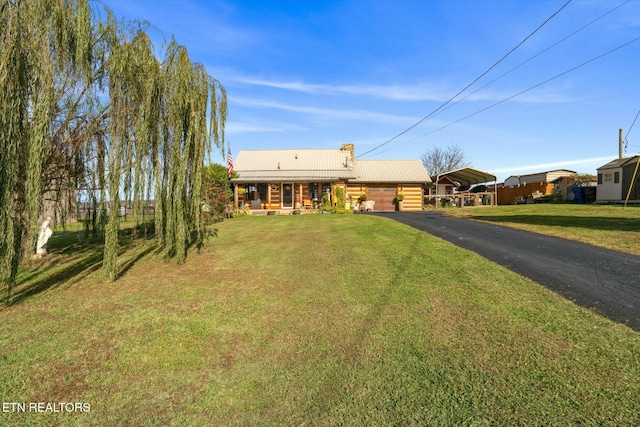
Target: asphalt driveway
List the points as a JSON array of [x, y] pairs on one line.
[[600, 279]]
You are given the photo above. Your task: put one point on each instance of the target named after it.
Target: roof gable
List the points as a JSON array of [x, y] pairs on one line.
[[445, 180]]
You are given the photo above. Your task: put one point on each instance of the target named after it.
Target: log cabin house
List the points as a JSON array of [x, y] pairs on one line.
[[291, 179]]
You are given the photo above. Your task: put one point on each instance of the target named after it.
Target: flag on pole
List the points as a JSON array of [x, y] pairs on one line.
[[229, 162]]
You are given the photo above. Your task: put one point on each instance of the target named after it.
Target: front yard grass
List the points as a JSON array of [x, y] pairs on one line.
[[312, 320]]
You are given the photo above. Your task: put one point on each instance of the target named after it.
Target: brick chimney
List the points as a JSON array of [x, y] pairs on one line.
[[350, 149]]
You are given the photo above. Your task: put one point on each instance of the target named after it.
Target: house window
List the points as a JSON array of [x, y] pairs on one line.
[[608, 177], [250, 191], [326, 188], [616, 177], [599, 178], [255, 192], [262, 191], [313, 190]]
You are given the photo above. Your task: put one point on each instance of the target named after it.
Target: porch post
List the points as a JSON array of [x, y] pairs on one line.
[[235, 195]]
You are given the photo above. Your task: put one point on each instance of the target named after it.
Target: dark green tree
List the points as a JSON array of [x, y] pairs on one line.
[[216, 189]]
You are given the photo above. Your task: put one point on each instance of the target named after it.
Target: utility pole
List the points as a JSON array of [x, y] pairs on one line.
[[620, 144]]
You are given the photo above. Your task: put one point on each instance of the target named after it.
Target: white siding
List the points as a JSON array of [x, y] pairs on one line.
[[609, 190]]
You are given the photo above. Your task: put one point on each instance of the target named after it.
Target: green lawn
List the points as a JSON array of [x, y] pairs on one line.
[[309, 320]]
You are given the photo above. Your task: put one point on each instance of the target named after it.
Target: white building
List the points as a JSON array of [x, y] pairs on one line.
[[615, 179]]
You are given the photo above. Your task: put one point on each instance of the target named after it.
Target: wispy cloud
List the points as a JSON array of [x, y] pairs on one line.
[[546, 95], [418, 92], [331, 113], [551, 165], [413, 92], [254, 127]]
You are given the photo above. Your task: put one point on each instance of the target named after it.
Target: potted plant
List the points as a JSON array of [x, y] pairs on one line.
[[361, 200], [399, 199]]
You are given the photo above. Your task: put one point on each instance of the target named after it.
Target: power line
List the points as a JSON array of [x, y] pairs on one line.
[[629, 131], [537, 85], [470, 84], [538, 54]]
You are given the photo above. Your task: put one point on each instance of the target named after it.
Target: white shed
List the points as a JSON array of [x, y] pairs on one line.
[[614, 180]]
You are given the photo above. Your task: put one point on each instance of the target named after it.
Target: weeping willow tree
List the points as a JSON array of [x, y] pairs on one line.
[[162, 122], [147, 139], [31, 57], [190, 94]]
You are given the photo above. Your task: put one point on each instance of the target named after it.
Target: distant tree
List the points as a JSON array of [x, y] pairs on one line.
[[438, 160], [578, 179], [560, 189], [216, 188]]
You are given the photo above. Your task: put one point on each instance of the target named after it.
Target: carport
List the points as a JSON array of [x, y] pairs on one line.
[[467, 177]]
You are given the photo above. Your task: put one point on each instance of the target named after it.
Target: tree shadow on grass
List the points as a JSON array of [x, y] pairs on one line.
[[72, 272], [130, 263], [590, 222], [71, 259]]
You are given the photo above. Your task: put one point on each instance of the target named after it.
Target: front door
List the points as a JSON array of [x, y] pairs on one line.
[[287, 195]]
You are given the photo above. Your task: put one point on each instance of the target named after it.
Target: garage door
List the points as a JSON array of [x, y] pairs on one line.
[[383, 196]]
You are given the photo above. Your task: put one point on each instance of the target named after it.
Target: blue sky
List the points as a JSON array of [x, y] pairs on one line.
[[317, 74]]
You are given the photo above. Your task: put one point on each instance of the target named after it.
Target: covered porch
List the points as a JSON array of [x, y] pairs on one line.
[[281, 197], [483, 194]]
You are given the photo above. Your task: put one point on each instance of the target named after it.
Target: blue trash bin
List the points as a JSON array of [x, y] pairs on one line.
[[578, 194]]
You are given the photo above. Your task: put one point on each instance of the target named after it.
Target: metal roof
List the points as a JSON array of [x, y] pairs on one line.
[[468, 176], [323, 165], [618, 163], [293, 176], [301, 165], [392, 171], [540, 176]]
